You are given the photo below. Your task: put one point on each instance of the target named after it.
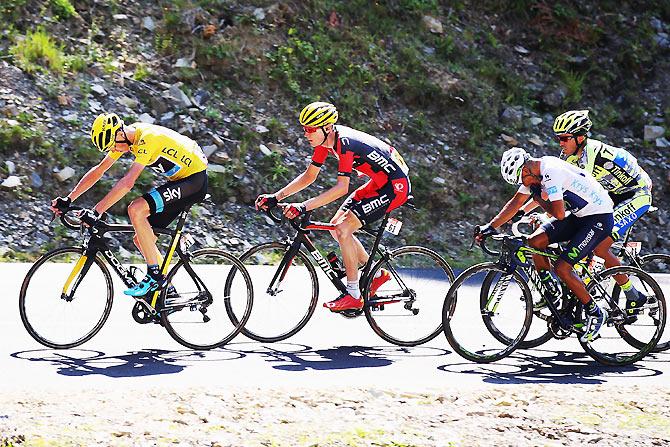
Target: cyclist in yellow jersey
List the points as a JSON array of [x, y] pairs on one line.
[[165, 151]]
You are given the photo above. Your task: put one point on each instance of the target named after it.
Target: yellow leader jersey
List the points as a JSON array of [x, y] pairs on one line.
[[165, 151]]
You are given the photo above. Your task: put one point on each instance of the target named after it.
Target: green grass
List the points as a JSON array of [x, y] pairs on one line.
[[36, 50], [63, 9]]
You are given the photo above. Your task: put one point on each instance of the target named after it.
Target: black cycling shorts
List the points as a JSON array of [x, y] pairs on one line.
[[168, 200], [370, 202], [582, 233]]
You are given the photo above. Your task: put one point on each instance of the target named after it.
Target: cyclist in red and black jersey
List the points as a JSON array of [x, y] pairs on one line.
[[387, 189]]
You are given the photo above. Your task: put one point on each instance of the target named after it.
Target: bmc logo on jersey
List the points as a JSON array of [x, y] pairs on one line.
[[382, 162], [376, 203], [171, 194]]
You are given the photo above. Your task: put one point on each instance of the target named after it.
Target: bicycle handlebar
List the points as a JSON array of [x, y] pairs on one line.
[[482, 243], [299, 223]]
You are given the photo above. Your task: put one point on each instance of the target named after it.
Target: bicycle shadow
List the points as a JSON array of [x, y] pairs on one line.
[[338, 358], [538, 366], [146, 362]]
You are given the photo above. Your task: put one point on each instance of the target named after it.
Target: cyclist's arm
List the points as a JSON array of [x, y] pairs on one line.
[[121, 188], [299, 183], [91, 177], [556, 208], [510, 208], [341, 188]]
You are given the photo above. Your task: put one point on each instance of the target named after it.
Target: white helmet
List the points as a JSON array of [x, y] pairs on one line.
[[511, 163]]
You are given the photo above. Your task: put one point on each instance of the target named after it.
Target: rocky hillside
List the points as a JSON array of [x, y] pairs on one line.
[[451, 84]]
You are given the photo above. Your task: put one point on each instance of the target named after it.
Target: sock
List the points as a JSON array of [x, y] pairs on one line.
[[591, 308], [629, 291], [353, 290], [154, 271]]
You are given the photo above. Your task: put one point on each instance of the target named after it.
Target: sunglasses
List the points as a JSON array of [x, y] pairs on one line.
[[308, 129], [563, 138]]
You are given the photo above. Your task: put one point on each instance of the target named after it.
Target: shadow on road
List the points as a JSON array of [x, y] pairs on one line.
[[295, 357], [545, 366], [146, 362]]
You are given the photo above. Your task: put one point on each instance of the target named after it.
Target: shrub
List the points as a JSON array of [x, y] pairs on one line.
[[37, 50]]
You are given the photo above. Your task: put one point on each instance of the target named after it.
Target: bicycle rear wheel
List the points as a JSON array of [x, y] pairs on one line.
[[622, 342], [279, 312], [65, 298], [195, 314], [467, 319], [406, 309], [658, 266], [538, 334]]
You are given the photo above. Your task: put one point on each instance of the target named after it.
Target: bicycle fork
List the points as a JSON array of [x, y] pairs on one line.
[[78, 271], [496, 295]]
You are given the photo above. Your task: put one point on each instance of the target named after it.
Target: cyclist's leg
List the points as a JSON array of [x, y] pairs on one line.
[[339, 216]]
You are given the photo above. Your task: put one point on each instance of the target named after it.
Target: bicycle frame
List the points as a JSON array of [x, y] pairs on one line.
[[302, 239]]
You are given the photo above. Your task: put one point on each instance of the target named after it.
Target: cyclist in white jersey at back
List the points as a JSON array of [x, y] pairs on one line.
[[559, 187]]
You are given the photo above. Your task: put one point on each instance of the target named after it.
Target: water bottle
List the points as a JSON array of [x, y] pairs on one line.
[[551, 286], [336, 265]]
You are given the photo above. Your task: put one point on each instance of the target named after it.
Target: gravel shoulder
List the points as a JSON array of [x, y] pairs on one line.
[[551, 415]]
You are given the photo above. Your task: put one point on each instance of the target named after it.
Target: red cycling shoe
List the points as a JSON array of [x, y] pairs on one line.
[[345, 302], [379, 281]]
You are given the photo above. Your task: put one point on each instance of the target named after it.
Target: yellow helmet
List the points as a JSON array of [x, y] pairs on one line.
[[103, 131], [318, 114], [575, 122]]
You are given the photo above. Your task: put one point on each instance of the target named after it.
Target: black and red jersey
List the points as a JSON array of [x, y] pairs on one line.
[[364, 153]]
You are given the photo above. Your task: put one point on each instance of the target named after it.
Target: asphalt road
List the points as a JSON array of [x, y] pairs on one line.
[[330, 351]]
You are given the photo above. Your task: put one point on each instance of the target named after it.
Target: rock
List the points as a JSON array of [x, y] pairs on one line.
[[201, 97], [167, 117], [148, 23], [98, 90], [94, 106], [662, 142], [653, 132], [259, 14], [36, 180], [432, 24], [128, 102], [183, 62], [509, 140], [511, 115], [537, 141], [261, 129], [216, 168], [439, 181], [521, 50], [71, 117], [221, 157], [11, 182], [555, 97], [662, 40], [146, 118], [535, 121], [209, 150], [176, 94], [11, 167], [120, 17], [12, 123], [264, 150], [64, 174], [209, 240], [656, 24]]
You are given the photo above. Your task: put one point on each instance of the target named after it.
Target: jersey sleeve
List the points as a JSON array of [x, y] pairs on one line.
[[346, 164], [319, 156], [114, 155], [524, 189]]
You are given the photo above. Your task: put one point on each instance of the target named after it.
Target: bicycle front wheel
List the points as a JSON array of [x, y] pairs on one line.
[[193, 310], [406, 309], [468, 320], [658, 266], [624, 341], [65, 298], [285, 292]]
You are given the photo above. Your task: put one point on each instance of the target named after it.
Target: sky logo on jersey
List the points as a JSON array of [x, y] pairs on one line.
[[171, 194]]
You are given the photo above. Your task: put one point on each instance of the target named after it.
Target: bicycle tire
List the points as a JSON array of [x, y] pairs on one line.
[[498, 334], [428, 274], [24, 306], [449, 310], [180, 319], [645, 262], [614, 359], [258, 327]]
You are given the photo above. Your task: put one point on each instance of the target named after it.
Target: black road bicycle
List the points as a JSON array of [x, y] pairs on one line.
[[404, 311], [66, 297], [485, 326], [656, 264]]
